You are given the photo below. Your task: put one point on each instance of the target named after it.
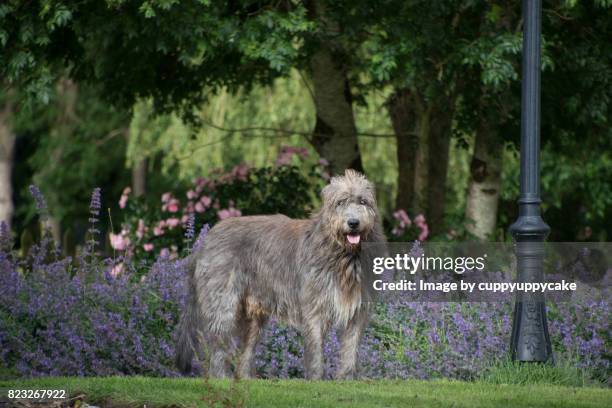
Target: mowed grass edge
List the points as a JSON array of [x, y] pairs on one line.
[[192, 392]]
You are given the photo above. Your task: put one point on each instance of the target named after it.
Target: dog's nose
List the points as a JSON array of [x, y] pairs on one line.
[[353, 223]]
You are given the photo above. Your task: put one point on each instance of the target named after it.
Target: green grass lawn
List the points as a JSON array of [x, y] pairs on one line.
[[165, 392]]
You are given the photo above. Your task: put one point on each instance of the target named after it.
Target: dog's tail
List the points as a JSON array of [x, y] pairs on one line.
[[188, 328]]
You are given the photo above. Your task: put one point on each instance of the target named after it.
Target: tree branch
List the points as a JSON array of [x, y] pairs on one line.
[[246, 130], [250, 129]]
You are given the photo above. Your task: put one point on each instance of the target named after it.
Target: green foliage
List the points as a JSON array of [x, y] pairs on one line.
[[79, 143], [253, 126], [576, 193], [561, 373], [173, 52], [242, 59], [245, 125], [491, 56]]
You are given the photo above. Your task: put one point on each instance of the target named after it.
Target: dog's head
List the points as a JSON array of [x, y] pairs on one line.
[[349, 212]]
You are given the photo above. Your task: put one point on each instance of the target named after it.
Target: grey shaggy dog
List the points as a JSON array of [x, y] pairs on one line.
[[307, 273]]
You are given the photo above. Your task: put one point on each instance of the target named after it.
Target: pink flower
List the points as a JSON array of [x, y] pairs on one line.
[[142, 228], [164, 253], [206, 201], [191, 194], [419, 220], [116, 270], [228, 213], [286, 153], [201, 183], [119, 241], [402, 217], [123, 201], [199, 207], [124, 197], [166, 197], [283, 160], [240, 172], [173, 222], [424, 232], [148, 247], [159, 228], [171, 206]]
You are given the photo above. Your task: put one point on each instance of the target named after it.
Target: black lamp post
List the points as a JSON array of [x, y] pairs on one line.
[[530, 339]]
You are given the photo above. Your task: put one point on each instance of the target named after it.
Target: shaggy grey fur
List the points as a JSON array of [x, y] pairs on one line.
[[307, 273]]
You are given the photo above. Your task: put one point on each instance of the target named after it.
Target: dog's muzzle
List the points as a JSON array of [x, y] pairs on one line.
[[353, 236]]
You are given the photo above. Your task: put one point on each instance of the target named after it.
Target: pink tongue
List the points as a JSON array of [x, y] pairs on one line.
[[353, 239]]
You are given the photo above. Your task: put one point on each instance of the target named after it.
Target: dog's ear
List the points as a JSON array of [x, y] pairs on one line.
[[328, 191]]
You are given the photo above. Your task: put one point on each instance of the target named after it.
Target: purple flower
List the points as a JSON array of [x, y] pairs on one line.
[[201, 236], [94, 211], [41, 203], [190, 227]]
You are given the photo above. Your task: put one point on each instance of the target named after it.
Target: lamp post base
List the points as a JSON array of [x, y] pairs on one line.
[[530, 338]]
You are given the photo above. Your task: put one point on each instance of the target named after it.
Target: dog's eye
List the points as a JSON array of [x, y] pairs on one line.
[[363, 202], [340, 203]]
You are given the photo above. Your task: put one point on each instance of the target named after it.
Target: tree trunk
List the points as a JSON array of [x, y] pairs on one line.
[[55, 226], [64, 126], [139, 177], [485, 182], [335, 133], [68, 91], [439, 144], [421, 170], [7, 146], [403, 119]]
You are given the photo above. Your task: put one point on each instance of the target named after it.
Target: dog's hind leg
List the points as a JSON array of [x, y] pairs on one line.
[[250, 326], [219, 304]]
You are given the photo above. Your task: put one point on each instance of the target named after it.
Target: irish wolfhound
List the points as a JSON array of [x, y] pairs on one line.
[[307, 273]]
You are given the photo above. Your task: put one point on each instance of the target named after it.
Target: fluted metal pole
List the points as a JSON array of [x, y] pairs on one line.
[[530, 340]]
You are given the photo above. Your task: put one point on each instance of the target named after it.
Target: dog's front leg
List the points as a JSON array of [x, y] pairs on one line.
[[349, 345], [313, 348]]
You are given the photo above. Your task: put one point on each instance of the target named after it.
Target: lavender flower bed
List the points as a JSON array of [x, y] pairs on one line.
[[459, 341], [91, 317], [64, 317]]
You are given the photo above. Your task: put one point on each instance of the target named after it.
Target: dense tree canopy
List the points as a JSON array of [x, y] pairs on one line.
[[449, 72]]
